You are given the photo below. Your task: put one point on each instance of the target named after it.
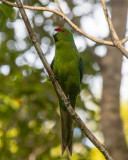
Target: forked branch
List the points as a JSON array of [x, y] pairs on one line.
[[115, 39], [65, 18]]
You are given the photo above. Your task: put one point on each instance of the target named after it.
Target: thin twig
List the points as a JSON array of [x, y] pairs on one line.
[[65, 18], [57, 86], [124, 40], [57, 1], [113, 33]]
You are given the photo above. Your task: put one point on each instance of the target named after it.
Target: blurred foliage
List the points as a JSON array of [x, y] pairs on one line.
[[29, 112], [5, 13]]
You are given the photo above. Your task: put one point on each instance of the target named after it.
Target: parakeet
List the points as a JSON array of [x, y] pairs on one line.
[[67, 66]]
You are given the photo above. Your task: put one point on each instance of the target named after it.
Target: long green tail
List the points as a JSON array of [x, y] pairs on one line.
[[66, 130]]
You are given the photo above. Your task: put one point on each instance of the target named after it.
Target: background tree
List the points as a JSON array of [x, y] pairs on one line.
[[112, 126]]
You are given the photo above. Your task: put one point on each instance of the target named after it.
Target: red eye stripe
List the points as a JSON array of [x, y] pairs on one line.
[[66, 33]]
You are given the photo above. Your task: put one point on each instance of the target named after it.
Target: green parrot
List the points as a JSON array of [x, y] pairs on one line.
[[68, 68]]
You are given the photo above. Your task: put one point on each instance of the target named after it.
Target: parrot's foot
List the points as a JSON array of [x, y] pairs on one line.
[[68, 98], [67, 101], [54, 78]]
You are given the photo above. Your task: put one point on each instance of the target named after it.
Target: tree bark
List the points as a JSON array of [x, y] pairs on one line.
[[110, 104]]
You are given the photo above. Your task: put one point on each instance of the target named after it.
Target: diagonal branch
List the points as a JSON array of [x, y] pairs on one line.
[[113, 33], [57, 87], [64, 16], [57, 1], [124, 40]]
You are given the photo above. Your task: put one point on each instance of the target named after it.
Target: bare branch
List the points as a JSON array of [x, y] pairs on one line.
[[57, 87], [113, 33], [65, 18], [57, 1], [124, 40], [68, 21]]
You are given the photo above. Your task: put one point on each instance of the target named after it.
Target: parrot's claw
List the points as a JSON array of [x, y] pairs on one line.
[[54, 78], [67, 101], [68, 98]]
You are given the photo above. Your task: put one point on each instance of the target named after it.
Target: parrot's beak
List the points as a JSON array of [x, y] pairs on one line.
[[55, 36]]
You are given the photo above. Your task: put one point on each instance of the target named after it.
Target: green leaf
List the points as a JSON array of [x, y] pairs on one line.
[[7, 11], [2, 21]]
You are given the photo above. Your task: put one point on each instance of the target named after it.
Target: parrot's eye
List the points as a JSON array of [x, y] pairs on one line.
[[64, 32]]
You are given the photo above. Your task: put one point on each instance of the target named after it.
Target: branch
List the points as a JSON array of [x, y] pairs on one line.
[[57, 1], [65, 18], [57, 87], [124, 40], [113, 33]]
